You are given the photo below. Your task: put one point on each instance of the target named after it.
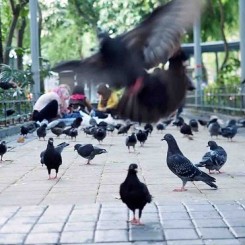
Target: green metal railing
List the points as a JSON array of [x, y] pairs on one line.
[[20, 104], [223, 100]]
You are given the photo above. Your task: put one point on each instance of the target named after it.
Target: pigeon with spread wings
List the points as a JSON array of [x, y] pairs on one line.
[[122, 62]]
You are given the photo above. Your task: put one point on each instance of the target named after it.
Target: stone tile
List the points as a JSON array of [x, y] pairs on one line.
[[178, 216], [111, 236], [235, 221], [186, 242], [17, 228], [79, 226], [205, 215], [239, 231], [77, 237], [112, 224], [47, 238], [222, 242], [200, 208], [180, 234], [209, 223], [148, 232], [12, 238], [48, 228], [216, 233], [181, 223]]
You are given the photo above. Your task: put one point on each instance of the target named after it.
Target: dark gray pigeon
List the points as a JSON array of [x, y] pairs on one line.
[[42, 131], [52, 158], [141, 137], [214, 159], [60, 147], [131, 141], [194, 125], [230, 130], [185, 129], [100, 134], [214, 127], [3, 149], [134, 193], [182, 167], [88, 151]]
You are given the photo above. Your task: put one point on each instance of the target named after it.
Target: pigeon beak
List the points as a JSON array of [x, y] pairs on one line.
[[162, 139]]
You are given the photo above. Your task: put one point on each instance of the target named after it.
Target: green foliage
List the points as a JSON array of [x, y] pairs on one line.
[[22, 78]]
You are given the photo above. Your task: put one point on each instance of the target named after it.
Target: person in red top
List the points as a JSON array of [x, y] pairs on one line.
[[79, 101]]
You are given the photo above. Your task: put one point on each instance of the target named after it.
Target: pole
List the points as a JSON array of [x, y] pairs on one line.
[[198, 60], [34, 49], [242, 46]]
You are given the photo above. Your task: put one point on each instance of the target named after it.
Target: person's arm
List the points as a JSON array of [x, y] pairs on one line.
[[88, 105], [112, 101]]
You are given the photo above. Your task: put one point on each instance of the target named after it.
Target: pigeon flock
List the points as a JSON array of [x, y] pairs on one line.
[[148, 101]]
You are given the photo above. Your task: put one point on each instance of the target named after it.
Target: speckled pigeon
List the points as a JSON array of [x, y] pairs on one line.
[[214, 159], [182, 167]]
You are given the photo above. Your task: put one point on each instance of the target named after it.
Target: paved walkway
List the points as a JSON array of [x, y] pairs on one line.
[[80, 206]]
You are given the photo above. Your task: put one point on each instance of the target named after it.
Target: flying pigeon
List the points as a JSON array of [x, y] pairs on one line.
[[134, 193], [52, 158], [182, 167], [3, 149], [213, 159], [122, 62], [88, 151]]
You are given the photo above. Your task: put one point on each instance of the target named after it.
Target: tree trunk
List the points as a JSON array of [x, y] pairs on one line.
[[40, 21], [1, 41], [20, 37], [222, 29], [16, 13]]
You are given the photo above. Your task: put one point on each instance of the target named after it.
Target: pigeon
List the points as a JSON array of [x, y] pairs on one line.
[[160, 126], [148, 127], [3, 149], [185, 129], [124, 129], [141, 137], [73, 133], [182, 166], [131, 140], [24, 130], [42, 131], [194, 125], [77, 122], [122, 62], [60, 147], [89, 130], [230, 130], [134, 193], [202, 122], [214, 127], [52, 158], [179, 121], [99, 134], [214, 159], [57, 131], [8, 85], [9, 112], [88, 151]]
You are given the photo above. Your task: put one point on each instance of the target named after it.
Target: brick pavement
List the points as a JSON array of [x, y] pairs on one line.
[[80, 206]]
